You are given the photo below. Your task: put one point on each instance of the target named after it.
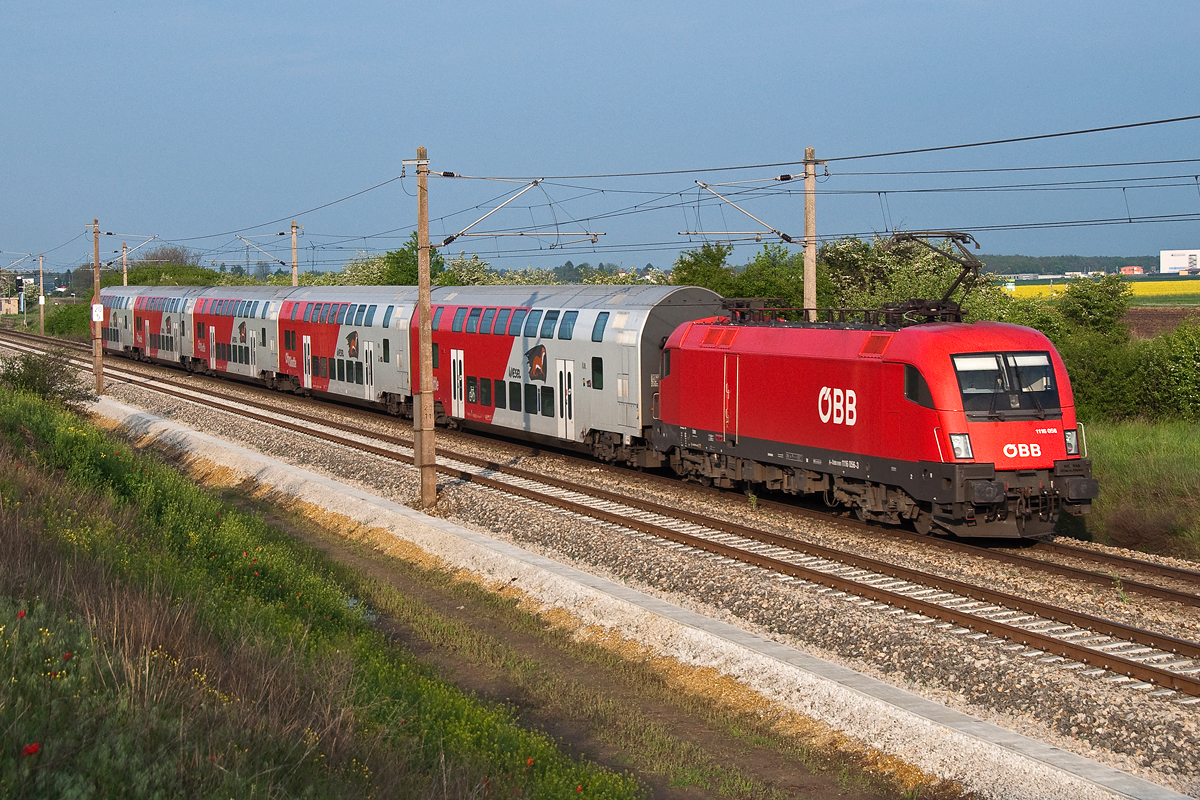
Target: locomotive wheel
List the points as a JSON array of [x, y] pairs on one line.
[[923, 523]]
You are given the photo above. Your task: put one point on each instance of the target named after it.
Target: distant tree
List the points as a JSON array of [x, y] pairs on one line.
[[401, 265], [170, 254], [707, 266], [1097, 305], [262, 271]]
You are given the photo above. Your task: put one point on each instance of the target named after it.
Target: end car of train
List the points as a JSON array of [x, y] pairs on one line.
[[965, 428]]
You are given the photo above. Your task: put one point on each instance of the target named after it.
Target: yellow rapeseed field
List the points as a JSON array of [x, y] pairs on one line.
[[1168, 286]]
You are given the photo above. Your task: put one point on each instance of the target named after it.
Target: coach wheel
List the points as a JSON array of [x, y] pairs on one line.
[[923, 523]]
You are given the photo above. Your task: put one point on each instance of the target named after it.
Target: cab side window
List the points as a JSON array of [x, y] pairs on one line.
[[915, 387]]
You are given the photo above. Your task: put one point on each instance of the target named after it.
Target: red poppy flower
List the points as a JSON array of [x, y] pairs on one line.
[[31, 749], [21, 614], [579, 788], [66, 656], [529, 761]]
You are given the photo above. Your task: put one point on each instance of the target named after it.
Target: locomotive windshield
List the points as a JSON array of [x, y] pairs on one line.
[[1007, 385]]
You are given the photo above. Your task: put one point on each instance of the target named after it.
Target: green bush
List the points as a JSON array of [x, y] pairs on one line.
[[71, 321], [1168, 377], [48, 375]]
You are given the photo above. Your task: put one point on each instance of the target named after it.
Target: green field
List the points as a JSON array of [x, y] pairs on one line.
[[1149, 477]]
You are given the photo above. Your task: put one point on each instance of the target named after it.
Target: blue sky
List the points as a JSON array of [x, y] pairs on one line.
[[193, 120]]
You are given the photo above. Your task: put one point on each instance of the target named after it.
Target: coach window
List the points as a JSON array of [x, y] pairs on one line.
[[254, 308], [915, 387], [472, 390], [531, 323], [358, 373], [485, 391], [387, 357], [518, 319], [341, 317], [295, 308], [489, 316], [568, 325], [436, 360], [266, 309], [262, 339], [341, 367], [547, 401], [239, 309], [329, 312], [460, 317], [370, 315], [502, 321], [199, 329], [549, 323], [387, 317], [473, 320], [597, 372], [514, 396], [531, 399], [501, 393], [358, 315], [437, 316]]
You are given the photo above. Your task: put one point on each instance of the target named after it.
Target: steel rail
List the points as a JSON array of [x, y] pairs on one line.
[[1051, 644]]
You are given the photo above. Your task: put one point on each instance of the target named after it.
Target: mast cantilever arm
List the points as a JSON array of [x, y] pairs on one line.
[[780, 234], [450, 239]]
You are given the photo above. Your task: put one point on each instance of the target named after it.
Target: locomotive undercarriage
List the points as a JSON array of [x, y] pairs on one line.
[[982, 503]]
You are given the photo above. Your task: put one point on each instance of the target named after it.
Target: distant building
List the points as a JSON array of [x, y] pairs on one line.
[[9, 305], [1131, 270], [1179, 261]]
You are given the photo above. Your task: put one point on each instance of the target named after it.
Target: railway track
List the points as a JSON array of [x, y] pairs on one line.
[[1143, 659]]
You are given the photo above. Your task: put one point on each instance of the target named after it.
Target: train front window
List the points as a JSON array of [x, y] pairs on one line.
[[1007, 385]]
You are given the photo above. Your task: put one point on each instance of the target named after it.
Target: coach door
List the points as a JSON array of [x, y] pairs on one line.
[[457, 406], [146, 336], [729, 425], [369, 368], [307, 362], [212, 347], [565, 371]]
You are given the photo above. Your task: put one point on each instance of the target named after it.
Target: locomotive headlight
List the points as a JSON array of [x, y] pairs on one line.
[[961, 444], [1072, 437]]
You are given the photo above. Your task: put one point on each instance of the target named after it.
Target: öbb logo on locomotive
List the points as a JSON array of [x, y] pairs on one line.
[[669, 377], [839, 405]]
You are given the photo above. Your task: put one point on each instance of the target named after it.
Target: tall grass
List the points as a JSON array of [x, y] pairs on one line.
[[211, 654], [1149, 475]]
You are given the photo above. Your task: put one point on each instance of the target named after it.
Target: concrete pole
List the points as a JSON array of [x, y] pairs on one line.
[[97, 317], [41, 296], [295, 263], [810, 232], [424, 450], [124, 265]]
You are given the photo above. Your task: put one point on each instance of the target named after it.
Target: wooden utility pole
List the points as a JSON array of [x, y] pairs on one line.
[[810, 232], [97, 314], [41, 295], [124, 265], [424, 451], [295, 263]]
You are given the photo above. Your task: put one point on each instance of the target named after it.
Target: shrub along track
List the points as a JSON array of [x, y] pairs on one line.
[[1052, 633]]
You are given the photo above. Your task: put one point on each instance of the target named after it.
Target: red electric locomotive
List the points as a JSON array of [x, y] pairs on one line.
[[969, 428]]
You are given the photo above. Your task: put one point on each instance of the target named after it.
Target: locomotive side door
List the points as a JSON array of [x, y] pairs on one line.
[[369, 369], [212, 347], [457, 405], [730, 419], [565, 372], [307, 362]]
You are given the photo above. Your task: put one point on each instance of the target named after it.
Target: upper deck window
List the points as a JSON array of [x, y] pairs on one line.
[[567, 328], [531, 323], [1007, 385], [437, 316], [598, 328], [473, 320], [387, 318], [485, 325], [518, 319], [549, 323], [459, 316]]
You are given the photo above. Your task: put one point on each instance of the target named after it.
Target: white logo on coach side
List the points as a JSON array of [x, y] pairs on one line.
[[838, 405]]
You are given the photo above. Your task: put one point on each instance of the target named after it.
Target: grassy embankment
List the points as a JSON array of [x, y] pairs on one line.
[[1149, 475], [160, 644], [163, 643]]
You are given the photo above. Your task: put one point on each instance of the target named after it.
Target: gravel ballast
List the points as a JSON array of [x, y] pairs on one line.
[[1091, 717]]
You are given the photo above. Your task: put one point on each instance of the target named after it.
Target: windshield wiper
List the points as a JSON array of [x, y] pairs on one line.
[[1021, 383], [992, 412]]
